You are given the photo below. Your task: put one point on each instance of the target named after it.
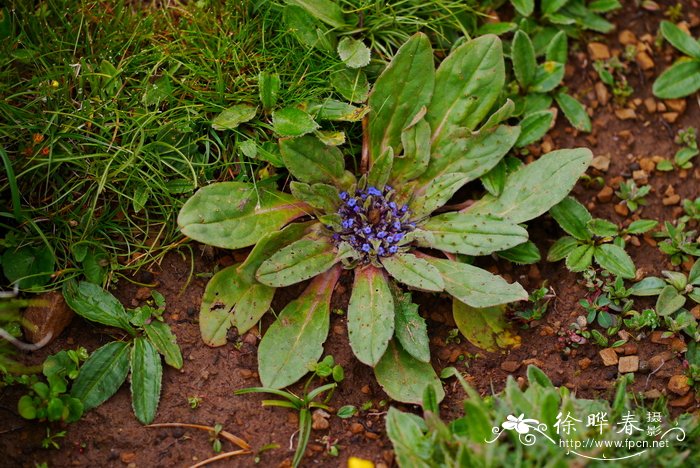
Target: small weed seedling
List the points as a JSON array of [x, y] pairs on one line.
[[612, 72], [51, 440], [306, 403], [683, 77], [427, 134], [678, 243], [571, 16], [107, 367], [194, 401], [593, 239], [633, 196], [538, 303]]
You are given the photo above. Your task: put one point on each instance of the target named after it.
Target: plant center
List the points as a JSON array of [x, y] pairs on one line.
[[372, 223]]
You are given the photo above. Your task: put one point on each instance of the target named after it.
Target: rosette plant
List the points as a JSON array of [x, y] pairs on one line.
[[428, 133]]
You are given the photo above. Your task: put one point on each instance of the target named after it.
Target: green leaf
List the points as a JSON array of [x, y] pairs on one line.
[[415, 140], [26, 407], [486, 328], [351, 84], [694, 274], [370, 315], [146, 379], [526, 253], [295, 340], [467, 84], [414, 272], [558, 48], [353, 52], [436, 193], [680, 80], [552, 6], [534, 127], [561, 248], [102, 374], [404, 377], [524, 7], [404, 430], [523, 57], [268, 89], [339, 111], [649, 286], [310, 161], [410, 328], [471, 234], [669, 301], [602, 227], [495, 180], [641, 226], [523, 200], [323, 197], [580, 258], [547, 77], [232, 117], [381, 169], [233, 215], [92, 302], [680, 39], [28, 266], [604, 6], [401, 90], [615, 260], [574, 111], [475, 286], [165, 341], [299, 261], [347, 411], [325, 10], [292, 122]]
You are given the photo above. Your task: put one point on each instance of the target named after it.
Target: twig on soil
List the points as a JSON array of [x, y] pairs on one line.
[[646, 384], [221, 456], [225, 434]]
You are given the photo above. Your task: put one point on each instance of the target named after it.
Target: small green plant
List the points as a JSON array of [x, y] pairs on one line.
[[593, 239], [678, 243], [537, 84], [194, 401], [538, 303], [107, 367], [612, 72], [683, 77], [50, 400], [691, 209], [51, 440], [304, 404], [631, 195], [428, 133], [570, 15]]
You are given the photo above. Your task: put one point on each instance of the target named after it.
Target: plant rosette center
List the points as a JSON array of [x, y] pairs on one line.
[[372, 223]]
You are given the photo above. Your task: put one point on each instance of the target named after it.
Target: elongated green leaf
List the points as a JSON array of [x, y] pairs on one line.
[[92, 302], [552, 6], [471, 234], [680, 39], [323, 197], [381, 169], [602, 227], [475, 286], [370, 315], [416, 152], [680, 80], [354, 53], [351, 84], [310, 161], [295, 340], [232, 117], [484, 327], [404, 430], [495, 179], [300, 261], [268, 89], [102, 374], [523, 57], [410, 328], [165, 341], [522, 199], [641, 226], [467, 84], [694, 274], [574, 111], [534, 127], [649, 286], [561, 248], [558, 48], [325, 10], [669, 301], [232, 215], [526, 253], [413, 271], [573, 218], [401, 90], [524, 7], [292, 122], [436, 194], [547, 77], [404, 377], [146, 379], [580, 258], [615, 260]]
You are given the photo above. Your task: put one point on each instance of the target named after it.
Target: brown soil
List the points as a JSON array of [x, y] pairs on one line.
[[111, 436]]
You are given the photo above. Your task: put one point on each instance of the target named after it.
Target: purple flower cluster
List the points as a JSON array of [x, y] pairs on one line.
[[372, 223]]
